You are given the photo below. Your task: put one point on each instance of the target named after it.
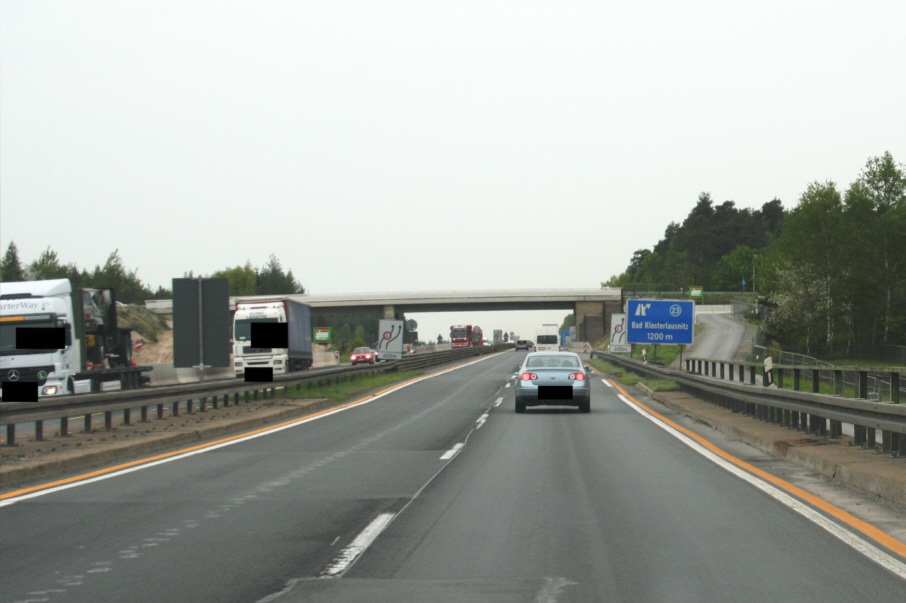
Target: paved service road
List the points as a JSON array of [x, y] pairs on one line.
[[435, 493], [720, 340]]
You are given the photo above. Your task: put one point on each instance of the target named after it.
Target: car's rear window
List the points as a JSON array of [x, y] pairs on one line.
[[553, 362], [361, 351]]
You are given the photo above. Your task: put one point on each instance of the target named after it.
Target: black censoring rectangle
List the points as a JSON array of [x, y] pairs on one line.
[[269, 334], [20, 391], [40, 338], [259, 374], [555, 392]]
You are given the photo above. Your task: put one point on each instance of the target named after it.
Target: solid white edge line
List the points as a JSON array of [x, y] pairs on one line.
[[875, 554], [10, 501], [351, 552]]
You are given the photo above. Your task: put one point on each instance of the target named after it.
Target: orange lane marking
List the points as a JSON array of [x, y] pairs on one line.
[[150, 459], [865, 528]]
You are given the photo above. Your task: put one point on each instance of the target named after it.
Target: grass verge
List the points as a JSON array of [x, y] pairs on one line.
[[629, 378], [352, 387]]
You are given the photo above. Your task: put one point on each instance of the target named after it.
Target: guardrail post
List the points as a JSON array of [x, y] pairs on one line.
[[816, 381], [175, 411], [39, 431], [752, 374], [203, 403], [108, 420], [779, 380], [730, 367], [836, 429], [838, 383], [863, 384], [160, 411], [858, 435], [127, 416], [870, 439], [895, 388], [10, 434], [797, 373], [144, 418], [189, 406], [886, 444], [64, 427], [87, 423]]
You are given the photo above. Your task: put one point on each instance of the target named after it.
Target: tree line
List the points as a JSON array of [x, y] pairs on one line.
[[832, 270], [271, 279]]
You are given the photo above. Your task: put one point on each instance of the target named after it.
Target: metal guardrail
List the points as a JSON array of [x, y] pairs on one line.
[[155, 400], [820, 414]]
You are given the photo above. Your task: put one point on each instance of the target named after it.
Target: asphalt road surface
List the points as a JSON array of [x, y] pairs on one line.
[[437, 492], [722, 337]]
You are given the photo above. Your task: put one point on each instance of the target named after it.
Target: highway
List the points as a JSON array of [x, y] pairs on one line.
[[438, 491]]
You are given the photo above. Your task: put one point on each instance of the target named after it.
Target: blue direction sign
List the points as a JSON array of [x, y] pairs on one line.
[[660, 321]]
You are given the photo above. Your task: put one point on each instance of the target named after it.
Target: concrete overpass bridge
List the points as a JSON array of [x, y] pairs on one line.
[[592, 307]]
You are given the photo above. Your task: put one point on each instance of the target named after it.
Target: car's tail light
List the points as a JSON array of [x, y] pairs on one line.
[[528, 376], [577, 377]]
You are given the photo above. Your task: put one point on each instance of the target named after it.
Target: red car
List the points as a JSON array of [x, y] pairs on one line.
[[362, 355]]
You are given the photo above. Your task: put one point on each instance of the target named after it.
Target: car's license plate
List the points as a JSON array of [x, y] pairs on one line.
[[555, 392]]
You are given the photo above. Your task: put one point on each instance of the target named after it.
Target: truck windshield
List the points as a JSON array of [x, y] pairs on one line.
[[8, 337], [458, 333], [243, 331]]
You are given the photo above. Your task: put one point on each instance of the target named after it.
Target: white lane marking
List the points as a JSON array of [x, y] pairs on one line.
[[607, 383], [481, 420], [870, 551], [507, 384], [348, 555], [452, 452], [10, 501]]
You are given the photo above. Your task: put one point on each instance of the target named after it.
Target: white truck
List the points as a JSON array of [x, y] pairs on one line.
[[94, 353], [297, 357], [547, 338]]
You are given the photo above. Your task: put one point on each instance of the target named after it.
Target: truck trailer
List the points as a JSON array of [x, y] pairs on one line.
[[297, 316], [64, 339]]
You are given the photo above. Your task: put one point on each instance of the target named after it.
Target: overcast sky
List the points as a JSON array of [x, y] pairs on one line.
[[409, 146]]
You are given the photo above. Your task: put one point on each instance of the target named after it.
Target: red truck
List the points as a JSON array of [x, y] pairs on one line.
[[461, 336], [465, 336]]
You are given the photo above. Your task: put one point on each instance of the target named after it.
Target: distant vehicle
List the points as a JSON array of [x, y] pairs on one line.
[[460, 336], [555, 379], [477, 336], [547, 338], [297, 357], [524, 344], [87, 351], [360, 355]]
